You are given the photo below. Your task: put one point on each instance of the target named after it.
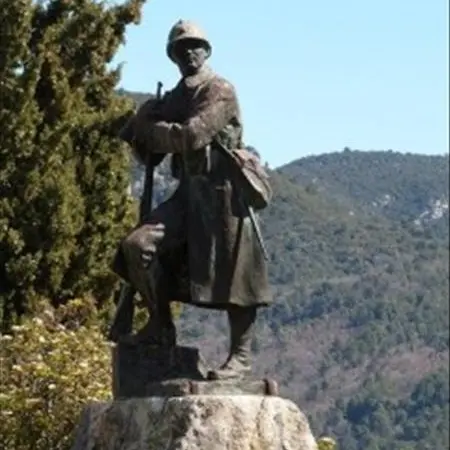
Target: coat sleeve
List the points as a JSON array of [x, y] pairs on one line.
[[215, 107]]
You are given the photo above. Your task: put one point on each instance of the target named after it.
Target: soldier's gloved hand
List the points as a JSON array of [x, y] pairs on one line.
[[170, 137], [153, 235], [149, 111]]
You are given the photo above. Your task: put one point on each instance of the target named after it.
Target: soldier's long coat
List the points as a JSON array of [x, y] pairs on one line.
[[206, 225]]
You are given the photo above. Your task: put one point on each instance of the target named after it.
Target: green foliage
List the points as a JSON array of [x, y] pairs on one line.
[[326, 443], [373, 419], [51, 366], [63, 173]]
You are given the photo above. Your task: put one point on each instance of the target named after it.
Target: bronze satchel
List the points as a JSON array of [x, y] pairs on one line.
[[253, 179]]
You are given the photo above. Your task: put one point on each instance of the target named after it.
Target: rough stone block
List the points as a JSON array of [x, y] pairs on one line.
[[200, 422]]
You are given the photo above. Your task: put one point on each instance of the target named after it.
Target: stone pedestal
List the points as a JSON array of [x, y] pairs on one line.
[[183, 386], [139, 370], [162, 401], [200, 422]]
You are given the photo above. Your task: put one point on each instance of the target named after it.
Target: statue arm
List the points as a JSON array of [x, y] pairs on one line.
[[147, 113], [216, 106]]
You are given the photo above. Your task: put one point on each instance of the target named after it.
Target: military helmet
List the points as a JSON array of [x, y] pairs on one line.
[[185, 29]]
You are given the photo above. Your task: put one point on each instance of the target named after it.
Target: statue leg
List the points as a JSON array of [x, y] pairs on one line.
[[145, 251], [238, 364], [145, 274]]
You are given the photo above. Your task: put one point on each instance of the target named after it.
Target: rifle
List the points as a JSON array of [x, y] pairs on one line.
[[123, 318]]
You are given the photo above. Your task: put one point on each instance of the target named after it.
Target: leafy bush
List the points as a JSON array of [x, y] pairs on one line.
[[326, 443], [51, 366]]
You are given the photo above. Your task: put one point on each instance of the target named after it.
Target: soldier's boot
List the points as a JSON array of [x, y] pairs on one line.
[[238, 364]]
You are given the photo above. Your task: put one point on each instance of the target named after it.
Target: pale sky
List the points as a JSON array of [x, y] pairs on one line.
[[314, 77]]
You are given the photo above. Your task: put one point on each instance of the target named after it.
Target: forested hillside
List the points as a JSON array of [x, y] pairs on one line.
[[360, 322], [403, 187], [359, 332]]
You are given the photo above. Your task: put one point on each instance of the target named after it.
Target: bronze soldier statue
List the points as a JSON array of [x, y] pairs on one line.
[[201, 246]]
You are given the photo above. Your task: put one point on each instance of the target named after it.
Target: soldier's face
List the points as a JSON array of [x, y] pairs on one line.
[[189, 55]]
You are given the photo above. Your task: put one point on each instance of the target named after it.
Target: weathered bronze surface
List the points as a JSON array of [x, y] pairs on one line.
[[201, 246]]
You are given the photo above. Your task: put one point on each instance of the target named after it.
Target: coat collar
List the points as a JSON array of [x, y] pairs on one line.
[[192, 81]]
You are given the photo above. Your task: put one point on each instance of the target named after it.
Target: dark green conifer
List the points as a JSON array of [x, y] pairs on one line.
[[63, 173]]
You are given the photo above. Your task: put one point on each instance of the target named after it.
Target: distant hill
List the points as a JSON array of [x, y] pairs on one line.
[[137, 97], [359, 332], [403, 187]]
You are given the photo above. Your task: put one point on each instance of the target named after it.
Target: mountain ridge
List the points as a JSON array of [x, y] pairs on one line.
[[376, 180]]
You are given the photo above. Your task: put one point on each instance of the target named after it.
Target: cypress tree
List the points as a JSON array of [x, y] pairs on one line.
[[63, 173]]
